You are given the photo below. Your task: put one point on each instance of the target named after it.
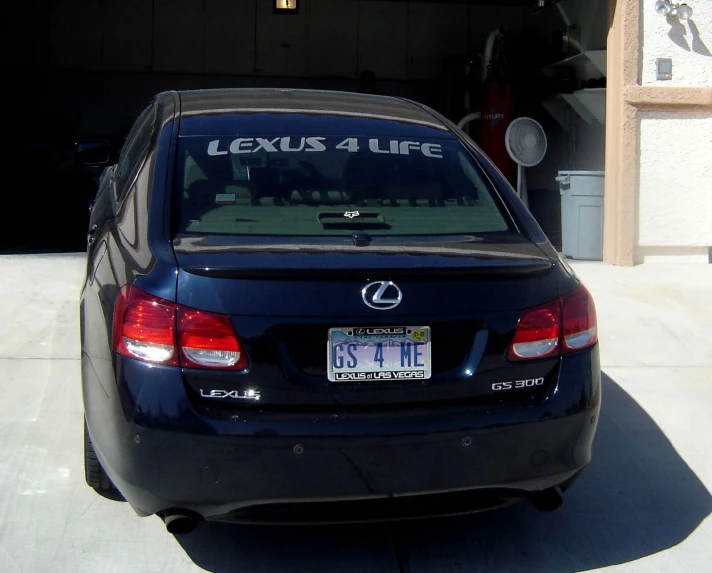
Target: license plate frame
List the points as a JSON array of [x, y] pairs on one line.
[[405, 355]]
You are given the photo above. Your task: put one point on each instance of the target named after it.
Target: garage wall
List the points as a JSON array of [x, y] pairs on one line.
[[75, 34], [328, 38], [103, 59], [126, 34]]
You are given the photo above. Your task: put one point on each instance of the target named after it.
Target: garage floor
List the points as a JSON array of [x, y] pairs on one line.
[[643, 505]]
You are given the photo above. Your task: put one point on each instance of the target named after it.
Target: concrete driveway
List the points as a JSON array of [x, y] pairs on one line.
[[643, 505]]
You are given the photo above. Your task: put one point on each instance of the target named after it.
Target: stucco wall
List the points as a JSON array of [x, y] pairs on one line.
[[675, 201], [688, 44]]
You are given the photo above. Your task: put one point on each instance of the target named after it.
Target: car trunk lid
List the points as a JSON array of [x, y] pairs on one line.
[[284, 298]]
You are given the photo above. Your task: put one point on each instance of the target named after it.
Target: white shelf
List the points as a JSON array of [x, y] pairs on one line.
[[587, 65], [599, 58], [594, 100], [589, 104], [579, 108], [560, 110]]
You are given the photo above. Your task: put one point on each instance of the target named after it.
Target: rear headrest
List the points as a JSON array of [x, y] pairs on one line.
[[201, 189], [205, 192], [319, 197], [365, 175], [264, 176], [420, 190]]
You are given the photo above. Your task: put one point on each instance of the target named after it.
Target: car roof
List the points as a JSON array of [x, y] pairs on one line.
[[255, 110]]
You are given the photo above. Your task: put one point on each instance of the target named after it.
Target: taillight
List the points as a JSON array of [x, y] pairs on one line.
[[579, 320], [538, 333], [144, 327], [155, 330], [564, 325], [208, 340]]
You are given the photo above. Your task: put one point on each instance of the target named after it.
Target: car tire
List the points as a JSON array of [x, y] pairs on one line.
[[93, 471]]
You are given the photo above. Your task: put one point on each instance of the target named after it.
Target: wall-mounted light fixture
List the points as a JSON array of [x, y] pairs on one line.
[[665, 8], [285, 6]]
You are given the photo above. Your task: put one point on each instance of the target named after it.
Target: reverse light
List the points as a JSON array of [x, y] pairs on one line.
[[155, 330], [561, 326], [579, 320], [144, 327], [538, 333], [208, 340]]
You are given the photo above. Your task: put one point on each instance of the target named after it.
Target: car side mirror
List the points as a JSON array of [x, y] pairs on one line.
[[93, 152]]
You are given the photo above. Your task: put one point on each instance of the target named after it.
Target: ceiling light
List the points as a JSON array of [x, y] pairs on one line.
[[285, 6]]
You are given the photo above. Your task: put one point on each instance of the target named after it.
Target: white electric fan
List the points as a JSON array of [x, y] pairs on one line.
[[526, 144]]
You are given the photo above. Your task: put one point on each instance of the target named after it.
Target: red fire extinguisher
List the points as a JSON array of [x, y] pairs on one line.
[[497, 109]]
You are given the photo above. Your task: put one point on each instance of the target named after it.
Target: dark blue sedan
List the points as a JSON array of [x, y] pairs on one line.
[[307, 306]]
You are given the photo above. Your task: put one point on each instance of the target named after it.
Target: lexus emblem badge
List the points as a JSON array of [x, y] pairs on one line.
[[382, 295]]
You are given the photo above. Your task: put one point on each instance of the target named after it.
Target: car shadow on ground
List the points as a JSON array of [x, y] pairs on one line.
[[638, 497]]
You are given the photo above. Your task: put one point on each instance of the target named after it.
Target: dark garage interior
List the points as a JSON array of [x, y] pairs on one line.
[[84, 69]]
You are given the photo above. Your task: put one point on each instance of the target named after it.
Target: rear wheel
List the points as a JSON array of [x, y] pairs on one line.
[[93, 471]]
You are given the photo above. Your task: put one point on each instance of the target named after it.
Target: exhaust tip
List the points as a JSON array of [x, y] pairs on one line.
[[180, 523], [547, 500]]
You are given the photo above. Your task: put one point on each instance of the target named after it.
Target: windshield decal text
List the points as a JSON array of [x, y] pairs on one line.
[[291, 144]]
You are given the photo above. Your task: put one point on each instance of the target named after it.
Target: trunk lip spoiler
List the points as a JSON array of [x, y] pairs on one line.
[[496, 267]]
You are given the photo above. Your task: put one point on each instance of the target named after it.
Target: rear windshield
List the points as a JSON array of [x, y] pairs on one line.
[[276, 185]]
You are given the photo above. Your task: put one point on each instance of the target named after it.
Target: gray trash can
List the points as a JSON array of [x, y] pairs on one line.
[[582, 214]]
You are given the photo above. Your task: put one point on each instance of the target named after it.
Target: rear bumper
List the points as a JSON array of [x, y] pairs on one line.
[[162, 454], [218, 477]]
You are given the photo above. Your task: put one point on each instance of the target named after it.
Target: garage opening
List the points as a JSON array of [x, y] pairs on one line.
[[85, 69]]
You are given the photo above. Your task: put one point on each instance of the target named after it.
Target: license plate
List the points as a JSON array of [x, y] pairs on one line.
[[375, 353]]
